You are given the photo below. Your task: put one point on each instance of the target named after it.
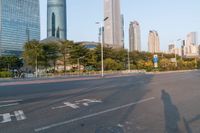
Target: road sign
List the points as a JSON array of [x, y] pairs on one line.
[[155, 60]]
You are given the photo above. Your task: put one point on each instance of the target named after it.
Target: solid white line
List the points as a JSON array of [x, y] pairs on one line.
[[11, 101], [7, 105], [92, 115]]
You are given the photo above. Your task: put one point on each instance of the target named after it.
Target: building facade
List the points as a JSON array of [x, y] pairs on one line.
[[19, 23], [191, 49], [154, 42], [56, 19], [134, 36], [112, 26]]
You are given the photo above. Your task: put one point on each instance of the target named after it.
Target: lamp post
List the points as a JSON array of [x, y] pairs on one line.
[[78, 61], [129, 65], [175, 51], [102, 44]]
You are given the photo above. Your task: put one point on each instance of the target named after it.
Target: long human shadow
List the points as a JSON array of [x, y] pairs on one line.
[[188, 122], [172, 116]]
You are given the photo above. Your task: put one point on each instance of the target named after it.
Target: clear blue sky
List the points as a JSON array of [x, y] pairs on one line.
[[173, 19]]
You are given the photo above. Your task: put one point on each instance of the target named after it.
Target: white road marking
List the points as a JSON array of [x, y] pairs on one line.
[[7, 105], [20, 115], [7, 117], [92, 115], [86, 102], [67, 104], [11, 101]]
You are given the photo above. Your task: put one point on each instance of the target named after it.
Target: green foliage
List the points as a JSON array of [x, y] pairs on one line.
[[110, 64], [5, 74], [114, 59], [10, 62], [33, 53]]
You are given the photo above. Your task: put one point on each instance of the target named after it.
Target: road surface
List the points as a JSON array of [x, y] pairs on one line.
[[141, 103]]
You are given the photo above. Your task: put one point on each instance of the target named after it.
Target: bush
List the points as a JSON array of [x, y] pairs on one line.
[[5, 74]]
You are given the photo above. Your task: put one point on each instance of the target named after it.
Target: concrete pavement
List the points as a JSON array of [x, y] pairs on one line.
[[167, 103]]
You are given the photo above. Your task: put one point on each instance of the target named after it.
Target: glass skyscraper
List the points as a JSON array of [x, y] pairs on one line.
[[19, 23], [56, 19]]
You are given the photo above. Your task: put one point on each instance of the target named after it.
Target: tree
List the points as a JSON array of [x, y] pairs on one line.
[[110, 64], [64, 49], [10, 63], [50, 54], [33, 54]]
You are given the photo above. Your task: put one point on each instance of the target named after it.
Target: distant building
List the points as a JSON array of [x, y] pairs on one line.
[[191, 48], [154, 42], [171, 48], [192, 39], [88, 45], [56, 19], [134, 36], [122, 29], [19, 23], [112, 26]]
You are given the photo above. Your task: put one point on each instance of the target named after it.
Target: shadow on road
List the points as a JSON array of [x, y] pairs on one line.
[[172, 116], [187, 126], [187, 123]]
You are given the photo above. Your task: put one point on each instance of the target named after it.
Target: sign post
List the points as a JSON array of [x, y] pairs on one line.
[[155, 61]]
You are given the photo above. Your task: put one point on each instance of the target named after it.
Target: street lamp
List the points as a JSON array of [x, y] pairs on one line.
[[129, 65], [175, 51], [102, 44], [78, 61]]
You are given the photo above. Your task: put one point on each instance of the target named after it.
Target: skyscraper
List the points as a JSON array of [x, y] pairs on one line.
[[112, 26], [191, 39], [19, 22], [154, 42], [134, 36], [56, 19], [122, 30]]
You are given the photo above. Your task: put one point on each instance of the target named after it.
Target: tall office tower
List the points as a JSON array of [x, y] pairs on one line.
[[112, 26], [154, 42], [57, 19], [19, 23], [134, 36], [191, 46], [122, 30], [192, 39]]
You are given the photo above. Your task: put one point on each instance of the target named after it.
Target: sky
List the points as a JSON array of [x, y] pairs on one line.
[[173, 19]]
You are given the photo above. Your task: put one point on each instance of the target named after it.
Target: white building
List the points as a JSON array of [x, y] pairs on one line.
[[134, 36], [112, 26], [154, 42]]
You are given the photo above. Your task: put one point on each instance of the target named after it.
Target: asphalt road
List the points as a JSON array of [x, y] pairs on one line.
[[163, 103]]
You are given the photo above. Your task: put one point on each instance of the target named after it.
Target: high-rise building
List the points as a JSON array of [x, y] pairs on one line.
[[122, 29], [134, 36], [19, 23], [56, 19], [192, 39], [112, 26], [190, 48], [154, 42]]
